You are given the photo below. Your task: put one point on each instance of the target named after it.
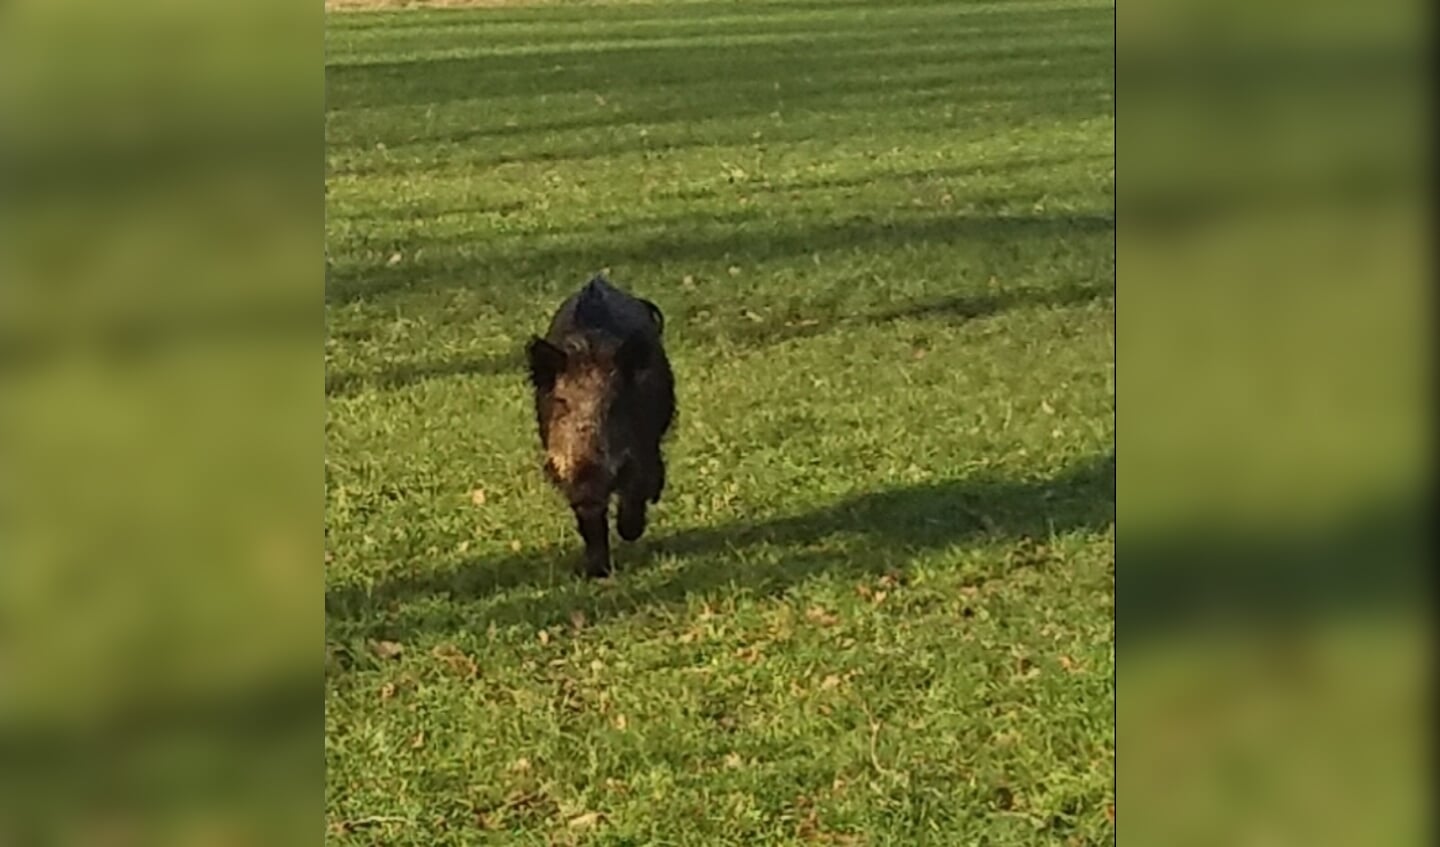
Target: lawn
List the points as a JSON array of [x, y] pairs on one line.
[[876, 604]]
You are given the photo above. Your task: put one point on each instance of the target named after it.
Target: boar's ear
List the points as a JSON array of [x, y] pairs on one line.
[[655, 315], [546, 361], [633, 355]]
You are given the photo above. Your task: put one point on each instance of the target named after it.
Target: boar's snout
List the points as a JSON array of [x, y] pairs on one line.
[[588, 484]]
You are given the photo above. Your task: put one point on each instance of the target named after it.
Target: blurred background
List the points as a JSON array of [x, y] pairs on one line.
[[1271, 338], [161, 626], [161, 618]]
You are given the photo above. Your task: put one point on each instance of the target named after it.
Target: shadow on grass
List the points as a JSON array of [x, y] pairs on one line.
[[1369, 562], [351, 383], [955, 309], [808, 64], [1039, 90], [704, 88], [871, 533], [741, 237], [744, 333], [902, 111], [956, 175], [928, 105], [695, 12], [419, 212]]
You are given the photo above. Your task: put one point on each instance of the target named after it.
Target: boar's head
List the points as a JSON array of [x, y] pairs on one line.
[[584, 398]]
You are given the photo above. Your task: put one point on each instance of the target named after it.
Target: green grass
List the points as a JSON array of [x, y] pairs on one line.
[[875, 606]]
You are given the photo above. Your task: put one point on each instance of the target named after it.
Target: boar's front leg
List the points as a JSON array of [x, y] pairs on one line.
[[630, 522], [595, 529], [641, 484]]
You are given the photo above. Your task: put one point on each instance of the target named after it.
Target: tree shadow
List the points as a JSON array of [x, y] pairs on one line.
[[997, 66], [897, 106], [1034, 89], [900, 104], [808, 62], [956, 308], [692, 12], [870, 533], [703, 238], [350, 383], [932, 175], [421, 212], [740, 332], [964, 307], [1369, 560]]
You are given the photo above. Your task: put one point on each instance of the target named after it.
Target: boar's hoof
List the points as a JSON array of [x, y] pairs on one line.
[[597, 567], [631, 521]]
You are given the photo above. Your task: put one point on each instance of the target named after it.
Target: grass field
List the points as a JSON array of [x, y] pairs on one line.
[[876, 604]]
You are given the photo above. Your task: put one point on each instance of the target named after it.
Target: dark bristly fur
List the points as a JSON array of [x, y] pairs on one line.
[[604, 401]]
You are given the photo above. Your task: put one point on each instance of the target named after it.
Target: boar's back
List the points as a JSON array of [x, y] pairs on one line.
[[601, 307]]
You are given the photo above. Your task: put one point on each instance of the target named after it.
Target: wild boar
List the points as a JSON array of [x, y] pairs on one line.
[[604, 402]]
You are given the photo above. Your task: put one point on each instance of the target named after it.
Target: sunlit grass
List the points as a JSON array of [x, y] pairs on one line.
[[875, 605]]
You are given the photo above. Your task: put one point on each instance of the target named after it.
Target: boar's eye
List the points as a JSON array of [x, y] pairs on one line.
[[545, 360]]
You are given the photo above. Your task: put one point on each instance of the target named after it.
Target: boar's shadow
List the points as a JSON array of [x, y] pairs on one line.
[[866, 534]]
